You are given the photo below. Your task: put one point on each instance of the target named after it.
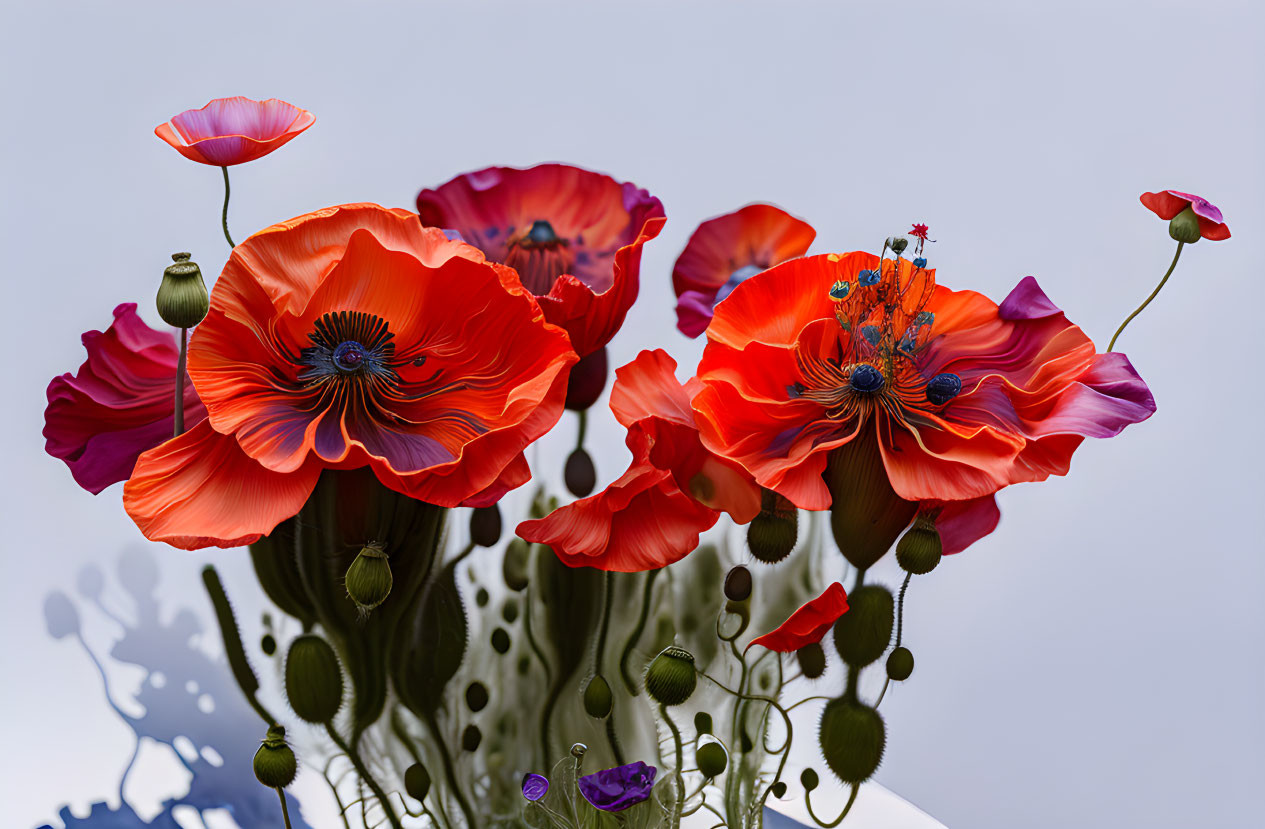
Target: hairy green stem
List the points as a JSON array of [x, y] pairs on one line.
[[1158, 288], [233, 650], [285, 810], [680, 765], [224, 213], [181, 362]]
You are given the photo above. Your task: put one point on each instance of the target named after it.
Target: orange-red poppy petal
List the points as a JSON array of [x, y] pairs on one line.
[[808, 624]]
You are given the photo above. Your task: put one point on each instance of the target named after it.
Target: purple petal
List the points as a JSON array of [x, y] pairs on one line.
[[1106, 398], [1201, 206], [535, 786], [1027, 302], [693, 313], [613, 790]]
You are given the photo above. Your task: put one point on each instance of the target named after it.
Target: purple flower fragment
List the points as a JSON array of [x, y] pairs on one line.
[[614, 790], [535, 786]]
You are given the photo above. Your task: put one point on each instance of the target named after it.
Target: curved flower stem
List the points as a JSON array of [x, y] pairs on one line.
[[181, 362], [808, 803], [607, 595], [397, 727], [732, 777], [583, 414], [224, 214], [364, 775], [531, 638], [629, 682], [900, 607], [285, 810], [1111, 345], [450, 773], [233, 650], [680, 764]]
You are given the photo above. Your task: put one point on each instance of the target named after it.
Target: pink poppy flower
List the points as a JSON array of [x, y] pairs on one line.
[[1168, 203], [231, 131]]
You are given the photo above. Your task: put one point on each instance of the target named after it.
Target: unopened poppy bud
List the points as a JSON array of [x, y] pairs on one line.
[[313, 679], [852, 739], [580, 475], [368, 579], [919, 549], [417, 781], [703, 722], [578, 750], [712, 759], [809, 779], [900, 664], [1184, 227], [738, 584], [778, 789], [812, 660], [897, 244], [500, 640], [182, 296], [588, 378], [671, 679], [862, 634], [485, 526], [771, 535], [275, 765], [476, 696], [514, 564], [597, 697], [471, 737]]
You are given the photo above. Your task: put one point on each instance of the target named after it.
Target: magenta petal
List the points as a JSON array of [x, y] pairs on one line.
[[693, 313], [962, 523], [1027, 302], [613, 790], [1104, 400], [1201, 206], [535, 786]]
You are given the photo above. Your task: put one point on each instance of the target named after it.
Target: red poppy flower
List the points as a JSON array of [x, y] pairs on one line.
[[728, 249], [919, 232], [958, 396], [120, 403], [231, 131], [1168, 203], [674, 489], [574, 236], [347, 338], [808, 624]]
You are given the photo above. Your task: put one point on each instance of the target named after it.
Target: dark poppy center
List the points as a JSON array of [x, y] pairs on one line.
[[542, 233], [348, 344], [349, 356], [866, 379]]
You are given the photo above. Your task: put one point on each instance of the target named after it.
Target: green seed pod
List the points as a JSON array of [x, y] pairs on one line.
[[712, 759], [852, 739], [275, 765], [809, 779], [578, 750], [579, 474], [703, 722], [471, 737], [778, 789], [313, 679], [897, 244], [514, 564], [812, 660], [182, 298], [862, 634], [900, 664], [866, 514], [509, 611], [268, 644], [500, 641], [671, 679], [771, 535], [368, 579], [597, 697], [1184, 227], [417, 781], [485, 526], [919, 549], [476, 696], [738, 584]]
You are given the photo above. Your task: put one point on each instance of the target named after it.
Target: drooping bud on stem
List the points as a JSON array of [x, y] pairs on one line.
[[313, 679], [812, 660], [866, 514], [900, 664], [771, 535], [863, 633], [670, 679], [182, 297], [1184, 227], [587, 380], [597, 697], [417, 781], [368, 579], [919, 550], [580, 475], [738, 584], [852, 739], [485, 526], [275, 765], [712, 759]]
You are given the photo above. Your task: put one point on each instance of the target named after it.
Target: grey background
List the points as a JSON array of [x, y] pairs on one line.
[[1096, 662]]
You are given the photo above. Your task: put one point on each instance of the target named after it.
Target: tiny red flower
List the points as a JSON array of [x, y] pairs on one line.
[[1168, 203], [808, 624], [919, 231], [231, 131]]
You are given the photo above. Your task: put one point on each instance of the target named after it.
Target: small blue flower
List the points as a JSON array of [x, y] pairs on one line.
[[869, 278], [920, 262]]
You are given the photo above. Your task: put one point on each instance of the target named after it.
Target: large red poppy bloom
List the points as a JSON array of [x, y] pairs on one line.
[[674, 489], [346, 338], [807, 624], [120, 403], [230, 131], [574, 236], [959, 397], [727, 250]]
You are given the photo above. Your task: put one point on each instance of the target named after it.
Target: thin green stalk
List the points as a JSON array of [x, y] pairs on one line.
[[1158, 288], [680, 764], [181, 362], [847, 808], [608, 594], [450, 774], [233, 650], [285, 810], [363, 772], [584, 427], [629, 681], [224, 214]]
